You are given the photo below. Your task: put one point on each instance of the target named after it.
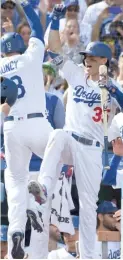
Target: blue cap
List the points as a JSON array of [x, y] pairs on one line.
[[106, 207], [98, 49], [109, 34], [3, 232], [68, 3], [75, 220]]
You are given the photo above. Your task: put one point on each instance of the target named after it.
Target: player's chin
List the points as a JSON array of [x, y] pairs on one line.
[[88, 70]]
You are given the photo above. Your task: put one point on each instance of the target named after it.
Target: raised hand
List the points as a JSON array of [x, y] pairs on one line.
[[118, 146], [58, 12], [8, 25]]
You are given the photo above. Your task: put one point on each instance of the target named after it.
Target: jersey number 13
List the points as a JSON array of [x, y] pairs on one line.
[[21, 89]]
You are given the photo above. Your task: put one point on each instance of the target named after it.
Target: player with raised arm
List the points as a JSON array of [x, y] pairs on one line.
[[81, 142], [26, 128]]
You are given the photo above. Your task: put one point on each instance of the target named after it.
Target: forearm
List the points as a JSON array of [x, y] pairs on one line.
[[54, 41], [118, 17], [109, 177], [96, 30], [43, 21], [33, 20], [118, 95]]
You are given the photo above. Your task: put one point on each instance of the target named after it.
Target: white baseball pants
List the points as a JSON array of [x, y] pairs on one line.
[[61, 149], [21, 139]]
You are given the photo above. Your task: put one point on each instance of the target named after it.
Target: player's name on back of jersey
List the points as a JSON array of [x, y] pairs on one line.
[[12, 65], [81, 95]]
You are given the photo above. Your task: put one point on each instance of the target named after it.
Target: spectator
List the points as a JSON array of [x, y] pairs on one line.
[[90, 19], [54, 237], [113, 70], [71, 42], [72, 12], [117, 217], [106, 222], [24, 30], [60, 85], [111, 40], [116, 27], [69, 251], [103, 30], [94, 17], [10, 18], [120, 64], [7, 15], [52, 80], [83, 7], [3, 240]]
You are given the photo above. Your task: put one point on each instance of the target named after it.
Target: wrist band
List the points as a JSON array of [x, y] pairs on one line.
[[55, 24]]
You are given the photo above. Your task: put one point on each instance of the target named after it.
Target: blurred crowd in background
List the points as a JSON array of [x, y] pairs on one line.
[[84, 21]]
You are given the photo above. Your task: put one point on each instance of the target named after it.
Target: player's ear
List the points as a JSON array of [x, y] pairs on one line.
[[100, 217], [104, 61]]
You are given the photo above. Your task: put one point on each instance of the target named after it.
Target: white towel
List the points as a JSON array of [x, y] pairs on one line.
[[61, 205]]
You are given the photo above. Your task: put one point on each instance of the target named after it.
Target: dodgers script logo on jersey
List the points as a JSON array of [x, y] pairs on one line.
[[114, 254], [81, 95]]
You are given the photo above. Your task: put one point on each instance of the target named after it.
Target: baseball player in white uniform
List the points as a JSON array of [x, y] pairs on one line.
[[26, 128], [81, 142]]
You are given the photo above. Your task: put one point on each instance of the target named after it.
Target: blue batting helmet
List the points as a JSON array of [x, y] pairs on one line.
[[12, 42], [9, 91], [98, 49]]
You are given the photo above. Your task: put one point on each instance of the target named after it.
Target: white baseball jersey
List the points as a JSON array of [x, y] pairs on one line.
[[60, 254], [119, 179], [83, 111], [116, 128], [114, 249], [26, 71]]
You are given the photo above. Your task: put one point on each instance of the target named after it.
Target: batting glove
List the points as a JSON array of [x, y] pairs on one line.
[[115, 92], [58, 12], [111, 88]]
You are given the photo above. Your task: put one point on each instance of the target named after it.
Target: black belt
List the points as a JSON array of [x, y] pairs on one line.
[[85, 141], [28, 116]]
